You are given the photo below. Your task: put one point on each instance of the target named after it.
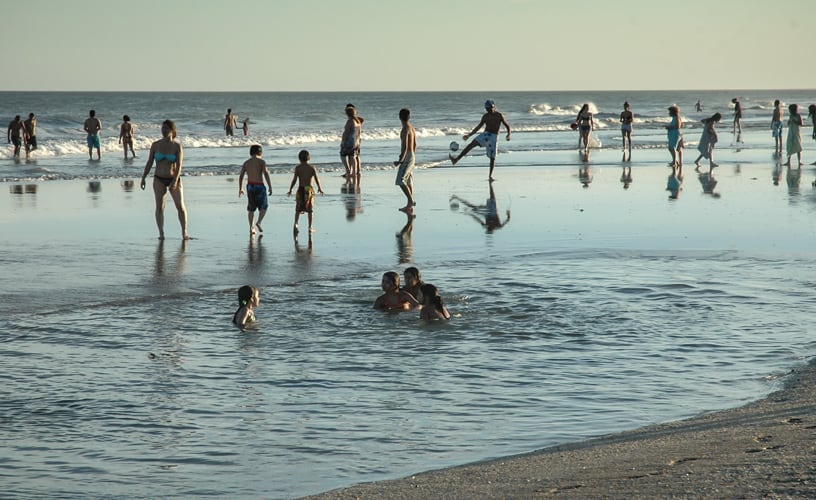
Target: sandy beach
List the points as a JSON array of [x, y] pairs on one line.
[[761, 450]]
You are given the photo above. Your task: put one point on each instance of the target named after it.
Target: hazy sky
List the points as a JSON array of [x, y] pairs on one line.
[[358, 45]]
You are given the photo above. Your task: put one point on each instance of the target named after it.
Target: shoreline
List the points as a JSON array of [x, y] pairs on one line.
[[763, 449]]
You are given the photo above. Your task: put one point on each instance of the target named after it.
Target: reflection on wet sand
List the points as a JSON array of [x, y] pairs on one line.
[[23, 189], [405, 241], [486, 215], [352, 198], [626, 176]]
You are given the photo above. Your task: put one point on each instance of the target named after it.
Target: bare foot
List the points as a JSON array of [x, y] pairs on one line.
[[295, 229], [260, 229], [251, 231], [311, 229], [187, 237], [453, 159], [712, 164], [406, 209]]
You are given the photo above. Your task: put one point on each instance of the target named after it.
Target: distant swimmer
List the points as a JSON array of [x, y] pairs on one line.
[[394, 299], [249, 298], [492, 121]]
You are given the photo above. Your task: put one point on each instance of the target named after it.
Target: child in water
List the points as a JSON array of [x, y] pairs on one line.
[[248, 298], [432, 305], [394, 299]]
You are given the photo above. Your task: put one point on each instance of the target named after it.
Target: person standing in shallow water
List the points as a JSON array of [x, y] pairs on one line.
[[169, 157], [794, 143], [126, 135], [707, 141], [626, 119], [405, 172], [92, 127], [30, 129], [675, 138], [776, 126], [492, 121]]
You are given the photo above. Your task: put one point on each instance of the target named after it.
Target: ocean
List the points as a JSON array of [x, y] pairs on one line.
[[593, 310]]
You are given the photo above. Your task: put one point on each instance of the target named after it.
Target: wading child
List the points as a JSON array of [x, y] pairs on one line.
[[248, 299], [256, 171], [394, 299], [432, 305], [304, 200]]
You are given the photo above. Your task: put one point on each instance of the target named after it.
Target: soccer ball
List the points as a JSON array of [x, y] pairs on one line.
[[454, 146]]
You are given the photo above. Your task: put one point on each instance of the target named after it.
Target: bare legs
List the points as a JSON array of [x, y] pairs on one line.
[[252, 224], [177, 194]]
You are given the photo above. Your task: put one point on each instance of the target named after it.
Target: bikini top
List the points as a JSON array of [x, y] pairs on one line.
[[161, 156]]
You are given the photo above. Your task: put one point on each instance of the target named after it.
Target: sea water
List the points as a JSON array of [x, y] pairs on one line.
[[592, 311]]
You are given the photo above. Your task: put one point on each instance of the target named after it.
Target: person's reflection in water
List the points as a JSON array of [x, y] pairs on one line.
[[776, 174], [255, 254], [486, 215], [127, 186], [674, 184], [585, 176], [794, 178], [405, 240], [160, 270], [626, 176], [304, 254], [351, 198], [708, 182]]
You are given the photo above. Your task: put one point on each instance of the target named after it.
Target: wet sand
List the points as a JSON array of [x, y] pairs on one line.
[[761, 450]]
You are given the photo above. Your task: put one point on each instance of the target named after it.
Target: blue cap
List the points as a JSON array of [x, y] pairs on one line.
[[489, 104]]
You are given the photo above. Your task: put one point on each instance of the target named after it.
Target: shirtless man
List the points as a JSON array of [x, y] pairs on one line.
[[92, 127], [230, 122], [14, 134], [30, 134], [256, 171], [492, 122], [405, 173]]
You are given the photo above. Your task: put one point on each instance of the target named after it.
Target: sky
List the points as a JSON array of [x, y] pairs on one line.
[[410, 45]]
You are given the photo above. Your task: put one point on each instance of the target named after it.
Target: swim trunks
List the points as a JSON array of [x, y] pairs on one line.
[[350, 148], [256, 197], [776, 129], [626, 127], [16, 140], [93, 141], [304, 200], [488, 140], [32, 141], [405, 171]]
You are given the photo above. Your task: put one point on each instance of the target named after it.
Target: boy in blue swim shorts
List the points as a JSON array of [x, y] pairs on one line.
[[256, 171], [492, 121]]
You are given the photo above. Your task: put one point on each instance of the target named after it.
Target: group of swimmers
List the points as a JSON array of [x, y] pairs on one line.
[[413, 295]]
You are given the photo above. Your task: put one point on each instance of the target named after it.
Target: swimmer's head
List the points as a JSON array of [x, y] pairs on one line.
[[255, 150], [391, 278], [411, 274], [248, 294], [304, 155], [126, 118]]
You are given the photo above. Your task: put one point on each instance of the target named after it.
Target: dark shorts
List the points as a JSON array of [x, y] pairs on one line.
[[256, 197], [16, 140], [32, 141], [350, 150]]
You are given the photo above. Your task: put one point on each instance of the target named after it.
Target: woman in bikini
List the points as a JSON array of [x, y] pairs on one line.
[[169, 156], [394, 299]]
